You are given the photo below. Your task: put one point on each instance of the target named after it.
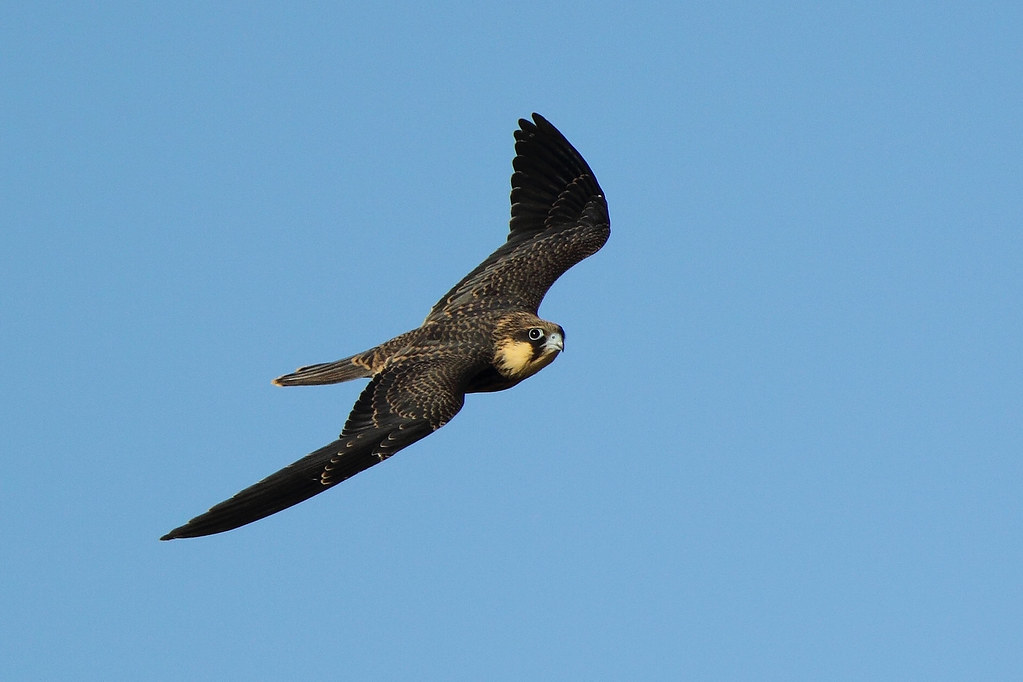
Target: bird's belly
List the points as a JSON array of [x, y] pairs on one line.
[[490, 380]]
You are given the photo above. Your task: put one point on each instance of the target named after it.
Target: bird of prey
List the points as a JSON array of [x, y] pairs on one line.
[[483, 335]]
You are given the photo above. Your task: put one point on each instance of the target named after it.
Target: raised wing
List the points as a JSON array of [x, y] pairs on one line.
[[558, 217], [402, 404]]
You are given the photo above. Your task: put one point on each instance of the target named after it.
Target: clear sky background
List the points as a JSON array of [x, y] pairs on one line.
[[784, 441]]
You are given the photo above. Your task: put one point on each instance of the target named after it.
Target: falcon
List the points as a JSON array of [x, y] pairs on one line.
[[483, 335]]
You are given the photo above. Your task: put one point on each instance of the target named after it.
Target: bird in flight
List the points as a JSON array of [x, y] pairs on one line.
[[483, 335]]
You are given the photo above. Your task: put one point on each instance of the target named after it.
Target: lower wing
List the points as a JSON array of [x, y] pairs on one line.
[[309, 476]]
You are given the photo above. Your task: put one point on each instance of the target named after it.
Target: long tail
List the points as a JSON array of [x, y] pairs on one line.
[[327, 373]]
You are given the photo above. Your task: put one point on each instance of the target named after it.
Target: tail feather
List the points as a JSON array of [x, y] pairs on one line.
[[326, 373]]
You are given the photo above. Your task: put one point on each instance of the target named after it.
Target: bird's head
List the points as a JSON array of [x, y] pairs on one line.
[[525, 345]]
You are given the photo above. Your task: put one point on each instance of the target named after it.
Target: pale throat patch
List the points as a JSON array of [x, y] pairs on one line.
[[514, 359]]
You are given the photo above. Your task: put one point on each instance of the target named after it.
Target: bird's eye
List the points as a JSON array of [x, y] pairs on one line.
[[535, 334]]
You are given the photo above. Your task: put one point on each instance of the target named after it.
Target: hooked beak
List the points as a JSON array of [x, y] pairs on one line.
[[555, 343]]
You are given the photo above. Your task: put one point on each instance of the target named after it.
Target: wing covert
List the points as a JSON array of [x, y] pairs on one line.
[[558, 217]]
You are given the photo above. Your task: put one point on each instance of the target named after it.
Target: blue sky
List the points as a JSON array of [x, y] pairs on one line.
[[784, 441]]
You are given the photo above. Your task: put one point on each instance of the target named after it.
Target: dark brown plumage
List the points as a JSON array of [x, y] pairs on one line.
[[483, 335]]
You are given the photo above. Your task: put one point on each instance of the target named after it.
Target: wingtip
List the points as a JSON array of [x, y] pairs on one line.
[[527, 125], [539, 126], [175, 534], [184, 532], [538, 121]]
